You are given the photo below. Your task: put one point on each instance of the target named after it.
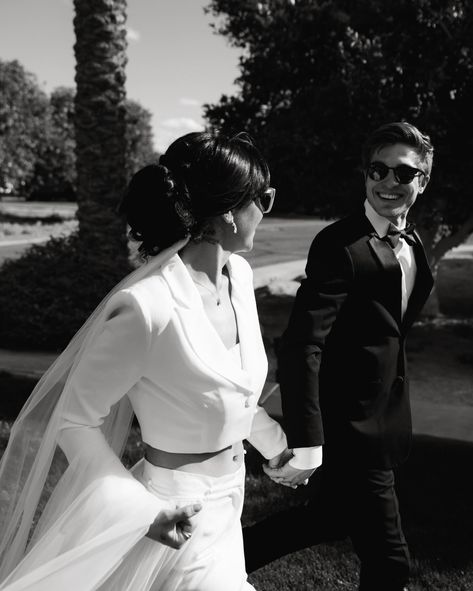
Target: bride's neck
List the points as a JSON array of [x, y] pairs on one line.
[[205, 257]]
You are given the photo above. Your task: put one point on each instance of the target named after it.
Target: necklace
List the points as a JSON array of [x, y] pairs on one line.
[[215, 292]]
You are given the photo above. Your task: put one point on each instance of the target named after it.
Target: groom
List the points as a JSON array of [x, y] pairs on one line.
[[342, 370]]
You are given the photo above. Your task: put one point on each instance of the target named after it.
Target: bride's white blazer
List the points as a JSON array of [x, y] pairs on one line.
[[158, 347]]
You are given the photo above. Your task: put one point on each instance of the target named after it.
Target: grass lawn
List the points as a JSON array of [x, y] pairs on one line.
[[34, 226]]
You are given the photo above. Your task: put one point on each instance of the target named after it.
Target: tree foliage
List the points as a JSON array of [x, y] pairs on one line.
[[317, 76], [37, 137], [54, 171], [139, 137], [23, 116]]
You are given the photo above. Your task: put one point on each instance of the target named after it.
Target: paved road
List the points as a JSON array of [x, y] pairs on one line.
[[279, 240]]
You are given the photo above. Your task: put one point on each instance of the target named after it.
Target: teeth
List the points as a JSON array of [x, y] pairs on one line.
[[388, 196]]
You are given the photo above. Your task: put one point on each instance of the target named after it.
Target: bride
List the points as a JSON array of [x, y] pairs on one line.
[[178, 343]]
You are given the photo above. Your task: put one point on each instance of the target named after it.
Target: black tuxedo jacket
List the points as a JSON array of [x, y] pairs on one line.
[[342, 365]]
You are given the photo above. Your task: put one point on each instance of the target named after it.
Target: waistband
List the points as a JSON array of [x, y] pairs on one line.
[[176, 483]]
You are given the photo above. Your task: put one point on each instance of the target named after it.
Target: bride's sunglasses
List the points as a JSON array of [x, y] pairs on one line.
[[404, 174], [266, 199]]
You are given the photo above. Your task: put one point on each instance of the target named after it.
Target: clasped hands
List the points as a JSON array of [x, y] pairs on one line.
[[280, 471]]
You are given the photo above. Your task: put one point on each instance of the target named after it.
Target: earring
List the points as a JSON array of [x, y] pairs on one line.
[[228, 217]]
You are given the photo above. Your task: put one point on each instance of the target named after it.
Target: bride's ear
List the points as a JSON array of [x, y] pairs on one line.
[[228, 219]]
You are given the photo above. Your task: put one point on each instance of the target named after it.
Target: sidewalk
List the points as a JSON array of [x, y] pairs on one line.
[[433, 419]]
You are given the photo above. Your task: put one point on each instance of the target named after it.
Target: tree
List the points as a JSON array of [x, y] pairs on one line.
[[139, 137], [310, 92], [46, 295], [54, 172], [100, 51], [23, 116]]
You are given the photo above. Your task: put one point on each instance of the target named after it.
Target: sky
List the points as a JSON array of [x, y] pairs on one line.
[[176, 63]]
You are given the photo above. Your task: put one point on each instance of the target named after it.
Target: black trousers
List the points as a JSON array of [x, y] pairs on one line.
[[344, 501]]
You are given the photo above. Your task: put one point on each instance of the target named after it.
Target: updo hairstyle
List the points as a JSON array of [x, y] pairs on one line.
[[201, 176]]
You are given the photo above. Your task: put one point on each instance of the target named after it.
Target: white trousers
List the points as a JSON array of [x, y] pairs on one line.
[[213, 559]]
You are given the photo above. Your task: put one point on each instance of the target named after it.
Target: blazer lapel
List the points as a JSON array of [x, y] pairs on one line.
[[198, 331], [253, 355]]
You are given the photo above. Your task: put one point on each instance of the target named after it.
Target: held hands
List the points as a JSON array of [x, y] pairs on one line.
[[173, 527], [279, 470]]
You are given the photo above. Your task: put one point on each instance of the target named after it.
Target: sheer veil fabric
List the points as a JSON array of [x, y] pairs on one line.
[[92, 480]]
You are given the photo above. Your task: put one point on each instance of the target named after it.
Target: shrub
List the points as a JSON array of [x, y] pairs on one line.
[[46, 295]]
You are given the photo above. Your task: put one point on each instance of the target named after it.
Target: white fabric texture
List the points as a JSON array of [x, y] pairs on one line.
[[99, 512]]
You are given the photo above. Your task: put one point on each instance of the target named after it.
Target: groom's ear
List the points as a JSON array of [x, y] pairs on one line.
[[423, 182]]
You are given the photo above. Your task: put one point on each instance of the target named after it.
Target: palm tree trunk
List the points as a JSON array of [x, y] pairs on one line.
[[100, 52]]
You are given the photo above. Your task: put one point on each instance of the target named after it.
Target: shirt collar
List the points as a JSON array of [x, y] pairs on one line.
[[379, 223]]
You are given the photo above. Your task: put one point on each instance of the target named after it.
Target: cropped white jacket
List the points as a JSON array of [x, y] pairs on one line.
[[159, 348]]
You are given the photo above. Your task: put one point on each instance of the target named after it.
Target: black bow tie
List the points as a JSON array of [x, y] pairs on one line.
[[394, 235]]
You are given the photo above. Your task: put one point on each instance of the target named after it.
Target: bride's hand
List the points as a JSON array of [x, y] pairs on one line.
[[173, 527]]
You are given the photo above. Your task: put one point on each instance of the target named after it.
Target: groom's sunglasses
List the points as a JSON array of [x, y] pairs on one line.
[[265, 200], [404, 174]]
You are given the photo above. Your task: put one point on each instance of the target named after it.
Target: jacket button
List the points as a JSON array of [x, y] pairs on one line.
[[247, 403]]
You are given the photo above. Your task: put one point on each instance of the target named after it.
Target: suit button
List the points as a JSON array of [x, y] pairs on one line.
[[400, 379]]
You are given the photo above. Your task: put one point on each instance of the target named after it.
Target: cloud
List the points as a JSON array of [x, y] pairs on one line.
[[182, 123], [132, 35], [189, 102], [170, 129]]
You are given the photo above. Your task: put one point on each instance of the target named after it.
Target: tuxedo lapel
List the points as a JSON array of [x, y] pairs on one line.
[[422, 286], [389, 292]]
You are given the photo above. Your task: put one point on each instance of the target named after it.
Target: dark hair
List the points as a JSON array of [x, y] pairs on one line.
[[399, 132], [201, 176]]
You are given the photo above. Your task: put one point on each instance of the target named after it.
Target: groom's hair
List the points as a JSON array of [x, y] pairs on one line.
[[399, 132]]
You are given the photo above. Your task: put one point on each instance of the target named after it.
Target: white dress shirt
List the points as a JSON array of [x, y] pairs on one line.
[[306, 458]]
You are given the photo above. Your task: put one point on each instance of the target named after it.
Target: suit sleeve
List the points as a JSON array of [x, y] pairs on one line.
[[329, 275]]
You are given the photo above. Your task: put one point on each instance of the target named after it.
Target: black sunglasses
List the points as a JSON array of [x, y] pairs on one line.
[[404, 174], [266, 199]]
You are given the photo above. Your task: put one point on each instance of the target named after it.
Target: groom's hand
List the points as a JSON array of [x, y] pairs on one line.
[[287, 475]]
